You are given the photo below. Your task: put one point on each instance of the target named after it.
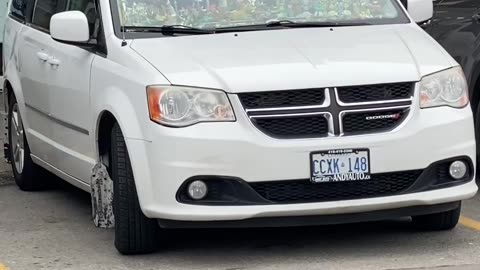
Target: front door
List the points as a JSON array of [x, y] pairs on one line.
[[34, 70], [68, 82]]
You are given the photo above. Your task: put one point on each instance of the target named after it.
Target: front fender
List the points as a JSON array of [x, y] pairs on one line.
[[116, 102], [121, 91]]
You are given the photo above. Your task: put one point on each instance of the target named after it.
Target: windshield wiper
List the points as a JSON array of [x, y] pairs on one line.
[[188, 30], [286, 24], [170, 30], [292, 24]]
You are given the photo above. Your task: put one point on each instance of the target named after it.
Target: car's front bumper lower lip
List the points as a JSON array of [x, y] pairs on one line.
[[312, 220], [211, 213]]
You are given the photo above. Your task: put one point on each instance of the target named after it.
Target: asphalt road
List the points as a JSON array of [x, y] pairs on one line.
[[52, 229]]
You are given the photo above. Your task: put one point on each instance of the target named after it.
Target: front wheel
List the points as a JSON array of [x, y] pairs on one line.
[[134, 232], [439, 221]]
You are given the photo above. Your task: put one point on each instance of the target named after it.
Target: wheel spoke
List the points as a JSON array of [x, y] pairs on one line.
[[20, 129], [15, 120], [16, 151], [15, 124], [14, 137], [21, 159], [21, 138], [19, 122]]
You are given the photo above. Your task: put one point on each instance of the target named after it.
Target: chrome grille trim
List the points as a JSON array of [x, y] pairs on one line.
[[289, 115], [334, 110]]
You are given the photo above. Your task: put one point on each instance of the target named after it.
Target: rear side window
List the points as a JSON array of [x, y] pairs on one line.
[[18, 9]]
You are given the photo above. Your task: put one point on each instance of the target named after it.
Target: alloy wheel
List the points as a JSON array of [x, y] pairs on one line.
[[17, 135]]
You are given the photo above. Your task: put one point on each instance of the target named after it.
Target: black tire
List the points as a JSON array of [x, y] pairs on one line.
[[134, 232], [439, 221], [32, 176]]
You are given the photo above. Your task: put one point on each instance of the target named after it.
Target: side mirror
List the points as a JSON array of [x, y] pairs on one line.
[[421, 11], [70, 27]]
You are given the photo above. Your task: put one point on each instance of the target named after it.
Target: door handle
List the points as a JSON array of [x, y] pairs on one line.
[[42, 56], [53, 61]]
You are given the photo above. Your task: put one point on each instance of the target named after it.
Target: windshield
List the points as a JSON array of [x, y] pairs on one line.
[[230, 13]]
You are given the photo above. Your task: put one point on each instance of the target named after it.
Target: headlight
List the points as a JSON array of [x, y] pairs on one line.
[[445, 88], [183, 106]]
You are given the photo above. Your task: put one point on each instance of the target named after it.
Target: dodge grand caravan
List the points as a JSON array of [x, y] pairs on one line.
[[230, 113]]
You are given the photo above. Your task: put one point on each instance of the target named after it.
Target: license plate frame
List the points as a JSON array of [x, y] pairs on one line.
[[342, 177]]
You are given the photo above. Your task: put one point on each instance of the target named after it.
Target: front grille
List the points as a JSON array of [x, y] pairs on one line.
[[296, 126], [352, 110], [304, 191], [376, 92], [287, 98], [372, 121]]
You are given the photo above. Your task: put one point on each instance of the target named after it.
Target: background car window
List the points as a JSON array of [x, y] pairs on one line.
[[44, 10], [18, 8], [86, 6]]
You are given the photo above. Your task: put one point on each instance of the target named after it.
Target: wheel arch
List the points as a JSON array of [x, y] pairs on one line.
[[11, 88], [8, 88], [113, 106], [105, 123]]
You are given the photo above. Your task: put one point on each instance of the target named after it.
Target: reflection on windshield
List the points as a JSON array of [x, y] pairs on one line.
[[226, 13]]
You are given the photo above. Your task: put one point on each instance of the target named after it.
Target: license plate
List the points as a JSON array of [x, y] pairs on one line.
[[340, 165]]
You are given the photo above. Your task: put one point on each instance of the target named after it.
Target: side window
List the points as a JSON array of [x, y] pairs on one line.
[[18, 9], [43, 11]]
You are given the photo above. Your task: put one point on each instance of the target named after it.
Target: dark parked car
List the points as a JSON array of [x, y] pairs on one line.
[[456, 26]]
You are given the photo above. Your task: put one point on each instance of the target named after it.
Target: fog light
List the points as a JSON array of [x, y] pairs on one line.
[[458, 169], [197, 190]]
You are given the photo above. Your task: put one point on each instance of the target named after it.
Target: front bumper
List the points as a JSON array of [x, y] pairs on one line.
[[225, 191], [238, 149]]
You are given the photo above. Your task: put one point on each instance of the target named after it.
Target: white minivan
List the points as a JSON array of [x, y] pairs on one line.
[[233, 113]]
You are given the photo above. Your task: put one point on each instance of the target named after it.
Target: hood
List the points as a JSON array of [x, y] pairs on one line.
[[296, 58]]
